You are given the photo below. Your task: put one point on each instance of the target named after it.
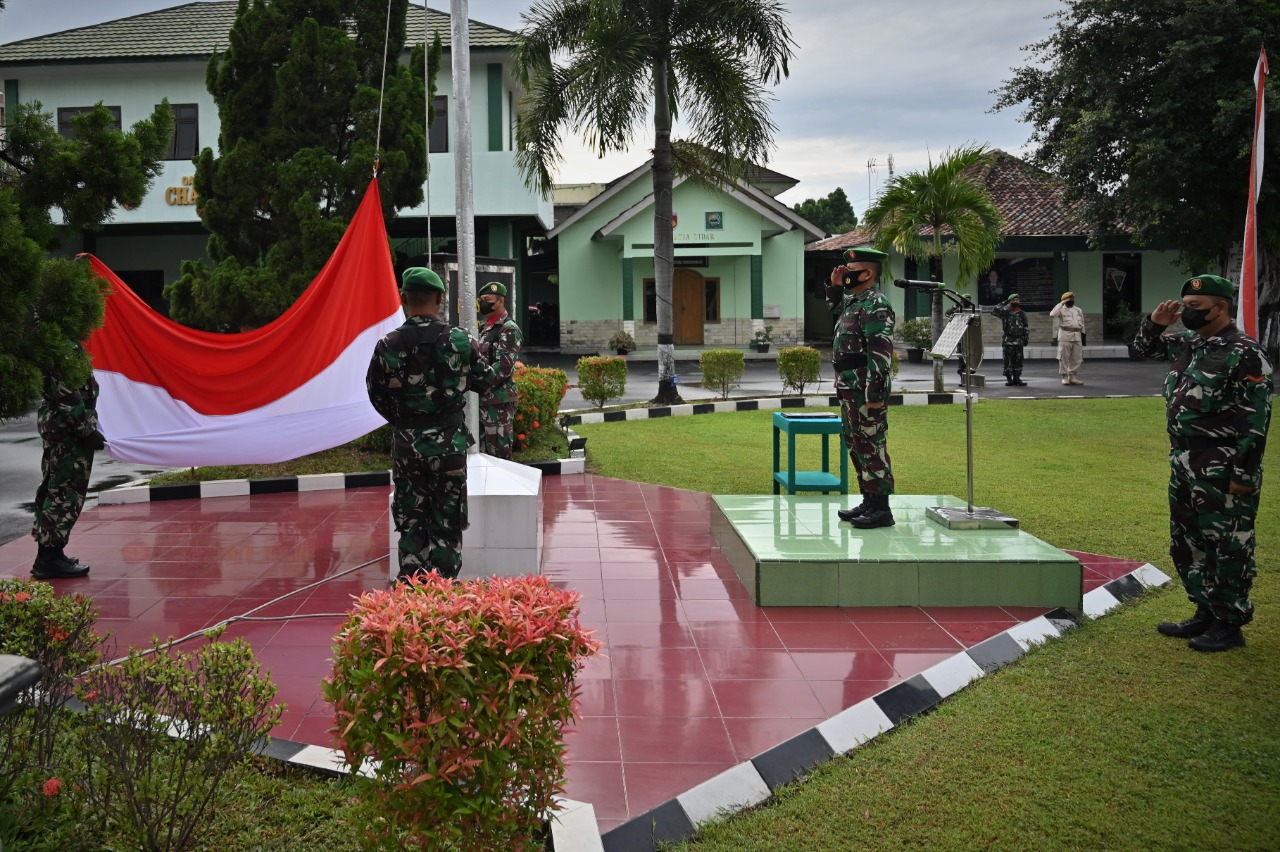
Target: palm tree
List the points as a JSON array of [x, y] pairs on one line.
[[915, 209], [601, 65]]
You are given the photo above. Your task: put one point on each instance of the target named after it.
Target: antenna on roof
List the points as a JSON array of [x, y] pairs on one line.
[[871, 167], [891, 167]]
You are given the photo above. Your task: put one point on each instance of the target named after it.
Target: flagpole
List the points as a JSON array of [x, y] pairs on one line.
[[463, 198], [1247, 303]]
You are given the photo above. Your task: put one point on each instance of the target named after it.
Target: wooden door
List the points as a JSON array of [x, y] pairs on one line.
[[688, 294]]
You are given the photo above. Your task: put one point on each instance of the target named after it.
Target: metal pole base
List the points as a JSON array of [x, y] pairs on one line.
[[979, 518]]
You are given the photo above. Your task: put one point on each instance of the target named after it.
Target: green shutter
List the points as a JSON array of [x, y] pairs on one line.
[[757, 287], [495, 106], [628, 290]]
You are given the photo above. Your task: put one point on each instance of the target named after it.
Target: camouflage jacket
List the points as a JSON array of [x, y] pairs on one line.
[[417, 380], [864, 327], [1217, 387], [1014, 325], [67, 413], [500, 342]]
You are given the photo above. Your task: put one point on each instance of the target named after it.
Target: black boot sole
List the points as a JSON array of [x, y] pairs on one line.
[[880, 519], [1198, 644], [45, 573]]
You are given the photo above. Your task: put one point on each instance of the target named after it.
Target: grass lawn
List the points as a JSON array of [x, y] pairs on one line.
[[1111, 738]]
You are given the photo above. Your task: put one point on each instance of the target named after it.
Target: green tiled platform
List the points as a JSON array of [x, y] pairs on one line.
[[793, 551]]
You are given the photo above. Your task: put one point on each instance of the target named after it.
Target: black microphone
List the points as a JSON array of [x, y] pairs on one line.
[[907, 283]]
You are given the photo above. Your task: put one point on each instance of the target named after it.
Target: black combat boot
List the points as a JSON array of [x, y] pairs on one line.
[[1017, 380], [52, 564], [1193, 626], [877, 514], [1219, 637], [856, 511], [1008, 380]]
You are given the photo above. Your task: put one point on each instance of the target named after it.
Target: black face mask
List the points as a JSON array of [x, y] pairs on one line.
[[487, 307], [1071, 303], [1194, 318]]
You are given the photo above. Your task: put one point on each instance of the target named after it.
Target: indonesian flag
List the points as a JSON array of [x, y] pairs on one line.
[[173, 396], [1247, 304]]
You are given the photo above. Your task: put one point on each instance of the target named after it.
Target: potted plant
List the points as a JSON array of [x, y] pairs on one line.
[[622, 343], [918, 335], [762, 338]]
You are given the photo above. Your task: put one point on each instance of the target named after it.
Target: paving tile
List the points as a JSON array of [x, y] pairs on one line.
[[693, 678]]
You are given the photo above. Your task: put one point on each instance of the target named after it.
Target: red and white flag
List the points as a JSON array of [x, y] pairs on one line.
[[1247, 304], [174, 396]]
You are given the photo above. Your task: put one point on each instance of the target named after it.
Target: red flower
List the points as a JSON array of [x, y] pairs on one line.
[[521, 436], [535, 424], [52, 787]]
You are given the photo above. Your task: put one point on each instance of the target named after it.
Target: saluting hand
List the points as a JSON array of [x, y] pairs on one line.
[[1166, 312]]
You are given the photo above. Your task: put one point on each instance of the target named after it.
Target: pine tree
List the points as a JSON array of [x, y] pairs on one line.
[[298, 100], [46, 304]]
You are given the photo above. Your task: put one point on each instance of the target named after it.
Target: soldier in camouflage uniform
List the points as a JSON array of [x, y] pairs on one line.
[[417, 380], [68, 424], [862, 353], [1218, 395], [500, 342], [1013, 337]]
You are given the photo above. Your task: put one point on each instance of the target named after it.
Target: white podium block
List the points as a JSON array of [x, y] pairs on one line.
[[504, 510]]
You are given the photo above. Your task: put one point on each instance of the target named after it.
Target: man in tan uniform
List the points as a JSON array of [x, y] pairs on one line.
[[1070, 321]]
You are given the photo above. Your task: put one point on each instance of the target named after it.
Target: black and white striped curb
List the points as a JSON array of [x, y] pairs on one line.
[[573, 418], [754, 781], [142, 493]]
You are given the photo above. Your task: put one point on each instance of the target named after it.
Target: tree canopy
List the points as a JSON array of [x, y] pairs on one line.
[[833, 213], [47, 304], [915, 208], [1145, 108], [601, 65], [297, 91]]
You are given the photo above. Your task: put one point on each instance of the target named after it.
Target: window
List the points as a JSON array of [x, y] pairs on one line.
[[713, 300], [66, 114], [185, 142], [650, 300], [438, 139]]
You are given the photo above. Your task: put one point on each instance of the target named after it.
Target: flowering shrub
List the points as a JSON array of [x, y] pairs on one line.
[[602, 378], [454, 698], [162, 730], [540, 390], [56, 632]]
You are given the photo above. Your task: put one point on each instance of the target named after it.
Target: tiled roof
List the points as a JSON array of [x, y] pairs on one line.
[[194, 30], [1031, 201]]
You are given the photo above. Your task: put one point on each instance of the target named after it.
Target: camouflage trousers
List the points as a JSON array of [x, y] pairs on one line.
[[65, 469], [866, 435], [497, 429], [1211, 536], [1012, 358], [429, 509]]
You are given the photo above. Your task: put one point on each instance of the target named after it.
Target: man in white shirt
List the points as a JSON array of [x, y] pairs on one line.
[[1070, 320]]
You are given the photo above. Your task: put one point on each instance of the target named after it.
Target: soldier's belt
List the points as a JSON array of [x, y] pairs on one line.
[[1200, 442], [850, 362], [429, 421]]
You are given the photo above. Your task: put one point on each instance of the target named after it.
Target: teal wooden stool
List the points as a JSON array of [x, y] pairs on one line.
[[794, 480]]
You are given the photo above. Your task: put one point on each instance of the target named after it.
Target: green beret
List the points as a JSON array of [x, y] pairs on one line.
[[1013, 296], [1209, 285], [869, 255], [419, 279], [493, 288]]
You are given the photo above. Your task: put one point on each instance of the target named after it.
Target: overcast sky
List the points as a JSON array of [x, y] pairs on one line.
[[871, 79]]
